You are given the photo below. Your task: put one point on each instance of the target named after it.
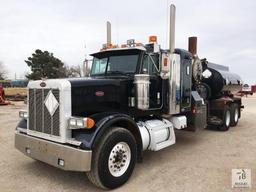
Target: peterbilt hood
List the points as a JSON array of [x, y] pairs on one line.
[[92, 95], [99, 94]]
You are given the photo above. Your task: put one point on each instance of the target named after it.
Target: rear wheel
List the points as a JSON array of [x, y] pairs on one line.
[[226, 119], [114, 159], [234, 110]]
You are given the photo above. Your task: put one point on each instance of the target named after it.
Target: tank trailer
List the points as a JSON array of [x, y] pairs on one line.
[[134, 99]]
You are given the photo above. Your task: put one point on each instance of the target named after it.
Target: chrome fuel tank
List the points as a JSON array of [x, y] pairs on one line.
[[142, 82]]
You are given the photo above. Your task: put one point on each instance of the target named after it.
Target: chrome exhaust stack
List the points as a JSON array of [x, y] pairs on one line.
[[197, 67], [192, 45], [108, 33], [174, 68], [172, 28]]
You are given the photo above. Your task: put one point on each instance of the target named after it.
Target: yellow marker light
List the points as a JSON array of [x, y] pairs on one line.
[[90, 123], [152, 39], [165, 62], [109, 46]]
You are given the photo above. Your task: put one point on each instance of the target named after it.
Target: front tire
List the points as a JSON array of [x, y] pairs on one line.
[[226, 119], [113, 159]]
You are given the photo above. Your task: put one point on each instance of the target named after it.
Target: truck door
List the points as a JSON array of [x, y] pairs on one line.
[[151, 67]]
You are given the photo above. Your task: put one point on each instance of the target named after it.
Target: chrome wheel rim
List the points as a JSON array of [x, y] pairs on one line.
[[227, 118], [119, 159], [236, 115]]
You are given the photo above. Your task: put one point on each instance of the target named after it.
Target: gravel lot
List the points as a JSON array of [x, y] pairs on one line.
[[200, 161]]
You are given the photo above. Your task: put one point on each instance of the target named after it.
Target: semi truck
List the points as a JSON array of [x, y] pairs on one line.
[[247, 90], [135, 99]]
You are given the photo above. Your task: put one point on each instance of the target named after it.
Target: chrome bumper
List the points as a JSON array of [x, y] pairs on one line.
[[52, 153]]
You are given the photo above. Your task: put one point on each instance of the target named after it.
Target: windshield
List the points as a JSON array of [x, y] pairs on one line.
[[118, 64]]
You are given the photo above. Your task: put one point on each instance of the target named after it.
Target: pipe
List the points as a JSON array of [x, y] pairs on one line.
[[192, 45], [172, 28], [108, 33]]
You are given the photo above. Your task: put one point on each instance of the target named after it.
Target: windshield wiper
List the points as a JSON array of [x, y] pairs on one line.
[[117, 72]]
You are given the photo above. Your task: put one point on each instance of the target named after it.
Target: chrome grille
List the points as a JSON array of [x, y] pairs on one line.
[[40, 119]]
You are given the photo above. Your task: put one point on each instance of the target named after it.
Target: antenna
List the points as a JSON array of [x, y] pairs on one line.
[[85, 64]]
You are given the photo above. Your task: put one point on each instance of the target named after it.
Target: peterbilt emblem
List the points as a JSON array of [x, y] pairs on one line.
[[51, 103], [42, 84], [99, 93]]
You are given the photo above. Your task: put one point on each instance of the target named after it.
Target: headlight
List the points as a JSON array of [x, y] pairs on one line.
[[81, 123], [72, 122], [23, 114]]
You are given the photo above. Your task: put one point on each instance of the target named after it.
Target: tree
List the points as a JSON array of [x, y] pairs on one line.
[[3, 71], [44, 65], [73, 71]]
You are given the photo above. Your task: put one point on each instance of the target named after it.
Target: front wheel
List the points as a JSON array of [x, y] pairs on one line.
[[113, 159]]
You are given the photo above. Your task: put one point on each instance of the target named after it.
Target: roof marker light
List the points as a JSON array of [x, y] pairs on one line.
[[153, 39]]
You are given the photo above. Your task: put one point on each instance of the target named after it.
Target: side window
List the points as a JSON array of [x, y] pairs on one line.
[[124, 63], [99, 65], [150, 64]]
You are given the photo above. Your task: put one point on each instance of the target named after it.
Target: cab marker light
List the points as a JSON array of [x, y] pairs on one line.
[[153, 39], [139, 44]]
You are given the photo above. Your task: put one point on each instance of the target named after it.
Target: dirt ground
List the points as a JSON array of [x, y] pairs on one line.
[[200, 161]]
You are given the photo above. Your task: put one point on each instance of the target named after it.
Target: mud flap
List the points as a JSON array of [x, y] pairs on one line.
[[198, 115]]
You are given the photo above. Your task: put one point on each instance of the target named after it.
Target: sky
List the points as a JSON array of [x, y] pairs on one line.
[[226, 29]]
